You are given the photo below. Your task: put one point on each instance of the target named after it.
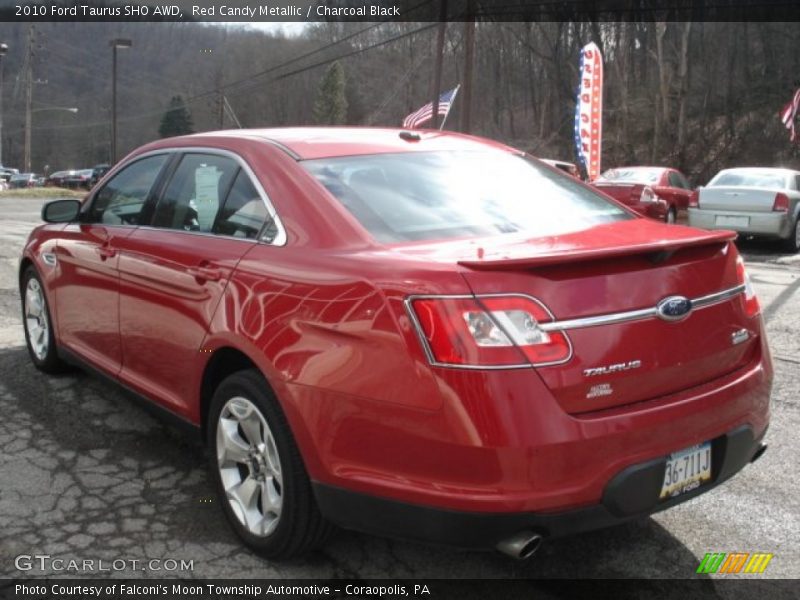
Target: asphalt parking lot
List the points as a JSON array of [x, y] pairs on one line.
[[86, 474]]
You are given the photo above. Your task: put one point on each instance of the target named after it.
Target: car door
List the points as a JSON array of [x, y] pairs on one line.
[[680, 189], [87, 257], [174, 272]]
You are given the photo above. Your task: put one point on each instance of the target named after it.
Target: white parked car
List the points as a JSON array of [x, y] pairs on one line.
[[757, 201]]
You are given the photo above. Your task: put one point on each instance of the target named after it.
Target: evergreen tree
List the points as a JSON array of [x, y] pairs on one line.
[[330, 106], [177, 120]]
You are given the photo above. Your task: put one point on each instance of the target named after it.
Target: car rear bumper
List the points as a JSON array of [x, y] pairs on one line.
[[631, 493], [771, 224]]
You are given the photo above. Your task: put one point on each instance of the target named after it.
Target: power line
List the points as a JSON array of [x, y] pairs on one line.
[[256, 84]]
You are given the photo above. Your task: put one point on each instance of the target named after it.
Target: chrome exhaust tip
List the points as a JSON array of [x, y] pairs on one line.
[[757, 454], [521, 545]]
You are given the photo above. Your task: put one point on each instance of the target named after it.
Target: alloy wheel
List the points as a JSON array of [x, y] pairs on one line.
[[36, 323], [249, 466]]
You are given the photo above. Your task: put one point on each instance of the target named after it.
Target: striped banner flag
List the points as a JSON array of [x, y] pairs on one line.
[[589, 111], [426, 112], [789, 113]]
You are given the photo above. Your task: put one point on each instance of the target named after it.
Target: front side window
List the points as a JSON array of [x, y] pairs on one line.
[[195, 193], [418, 196], [121, 200]]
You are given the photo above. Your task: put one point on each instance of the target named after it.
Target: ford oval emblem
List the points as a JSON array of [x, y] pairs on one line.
[[674, 308]]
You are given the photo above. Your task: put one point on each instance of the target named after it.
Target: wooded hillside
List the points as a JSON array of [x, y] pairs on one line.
[[699, 96]]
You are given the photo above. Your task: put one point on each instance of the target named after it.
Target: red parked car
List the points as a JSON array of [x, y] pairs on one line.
[[655, 192], [423, 335]]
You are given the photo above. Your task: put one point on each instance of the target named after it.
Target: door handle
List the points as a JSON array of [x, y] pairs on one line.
[[106, 251], [205, 273]]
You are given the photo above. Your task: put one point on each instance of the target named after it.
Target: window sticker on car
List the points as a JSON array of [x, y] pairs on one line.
[[206, 181]]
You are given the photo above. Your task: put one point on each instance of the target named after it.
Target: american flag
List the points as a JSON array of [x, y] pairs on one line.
[[426, 112], [789, 112]]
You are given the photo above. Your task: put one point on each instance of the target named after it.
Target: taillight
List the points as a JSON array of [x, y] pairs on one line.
[[647, 195], [489, 331], [749, 298], [781, 203], [694, 199]]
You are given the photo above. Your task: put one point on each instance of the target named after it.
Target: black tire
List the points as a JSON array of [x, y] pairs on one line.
[[792, 243], [300, 526], [672, 216], [48, 361]]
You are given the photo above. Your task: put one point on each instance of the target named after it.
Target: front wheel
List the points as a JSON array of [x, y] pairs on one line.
[[672, 216], [792, 243], [38, 325], [257, 470]]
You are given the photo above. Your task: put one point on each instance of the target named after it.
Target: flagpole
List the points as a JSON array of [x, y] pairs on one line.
[[447, 114]]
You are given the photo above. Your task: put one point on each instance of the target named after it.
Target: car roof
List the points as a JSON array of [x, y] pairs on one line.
[[324, 142], [642, 167], [555, 161]]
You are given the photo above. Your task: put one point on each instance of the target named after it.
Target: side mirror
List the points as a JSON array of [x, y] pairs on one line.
[[61, 211]]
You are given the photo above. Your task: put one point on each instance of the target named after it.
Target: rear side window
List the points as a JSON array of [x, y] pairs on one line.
[[244, 212], [677, 180], [122, 198], [417, 196], [194, 195]]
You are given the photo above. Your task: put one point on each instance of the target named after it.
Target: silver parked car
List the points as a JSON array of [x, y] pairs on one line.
[[757, 201]]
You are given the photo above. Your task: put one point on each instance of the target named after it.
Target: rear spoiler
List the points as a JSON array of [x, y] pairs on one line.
[[662, 249]]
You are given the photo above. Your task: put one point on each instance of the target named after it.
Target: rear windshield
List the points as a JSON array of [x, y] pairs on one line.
[[765, 179], [631, 175], [419, 196]]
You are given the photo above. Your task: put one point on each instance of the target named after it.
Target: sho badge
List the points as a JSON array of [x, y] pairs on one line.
[[602, 389], [615, 368]]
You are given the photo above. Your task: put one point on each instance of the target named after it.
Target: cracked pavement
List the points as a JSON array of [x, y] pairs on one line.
[[87, 474]]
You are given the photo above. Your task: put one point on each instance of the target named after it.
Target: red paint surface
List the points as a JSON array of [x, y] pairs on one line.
[[324, 319]]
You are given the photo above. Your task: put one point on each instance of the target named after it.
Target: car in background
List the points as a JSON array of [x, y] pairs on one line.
[[656, 192], [565, 166], [23, 180], [58, 178], [97, 173], [431, 336], [81, 178], [757, 201]]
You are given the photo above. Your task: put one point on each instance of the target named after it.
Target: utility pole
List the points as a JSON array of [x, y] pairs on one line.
[[437, 75], [220, 101], [3, 51], [115, 43], [469, 59], [26, 159]]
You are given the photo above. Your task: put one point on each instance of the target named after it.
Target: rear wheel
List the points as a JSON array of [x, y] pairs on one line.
[[672, 216], [792, 243], [38, 325], [260, 478]]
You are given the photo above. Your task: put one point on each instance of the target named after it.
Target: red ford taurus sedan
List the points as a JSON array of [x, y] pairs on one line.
[[655, 192], [416, 334]]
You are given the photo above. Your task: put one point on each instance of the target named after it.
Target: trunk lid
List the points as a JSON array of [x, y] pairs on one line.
[[627, 193], [617, 268], [748, 199]]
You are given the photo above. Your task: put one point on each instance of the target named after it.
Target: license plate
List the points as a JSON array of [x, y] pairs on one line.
[[686, 470], [730, 221]]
